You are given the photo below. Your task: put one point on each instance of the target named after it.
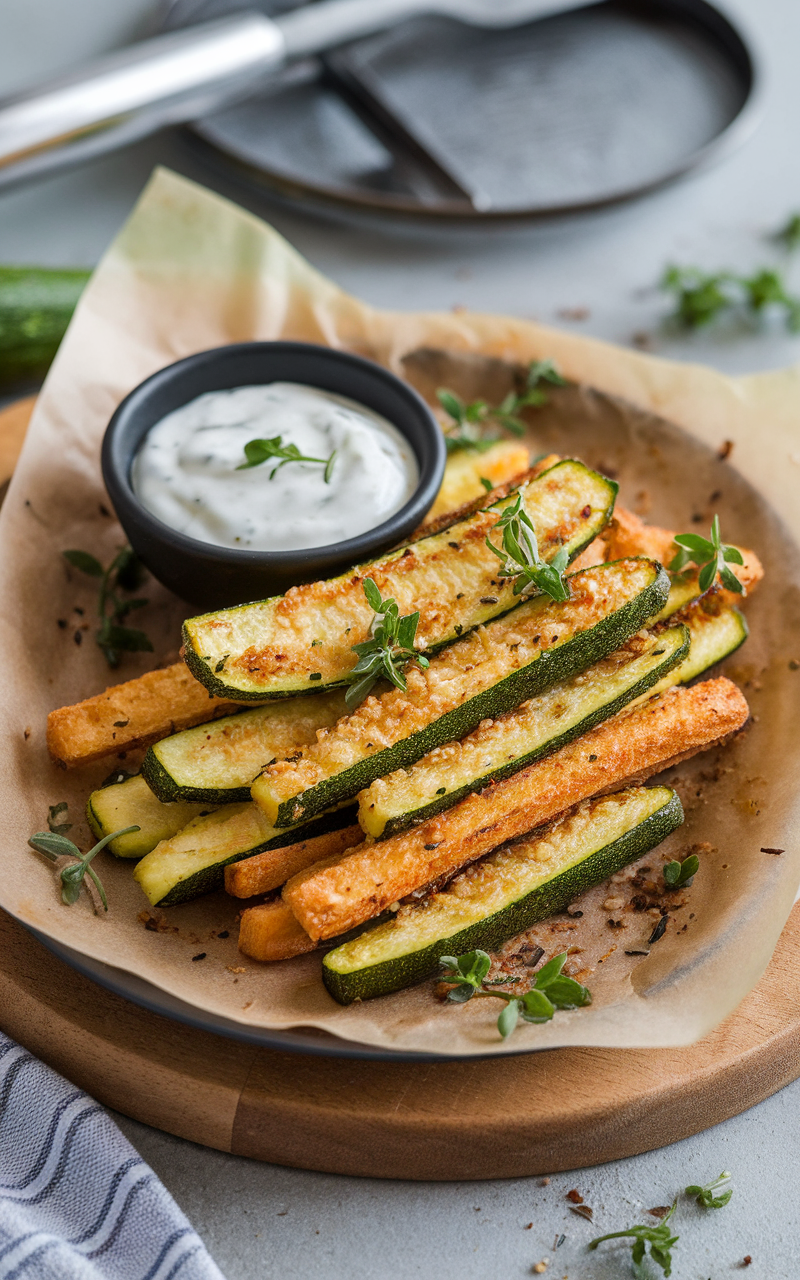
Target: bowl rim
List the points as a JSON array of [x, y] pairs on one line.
[[117, 478]]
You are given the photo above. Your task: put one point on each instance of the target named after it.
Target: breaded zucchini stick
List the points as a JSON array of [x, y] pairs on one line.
[[342, 892]]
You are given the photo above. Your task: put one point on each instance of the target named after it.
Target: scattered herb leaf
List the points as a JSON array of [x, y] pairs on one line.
[[681, 874], [658, 932], [658, 1238], [389, 648], [71, 875], [470, 419], [257, 451], [487, 484], [53, 813], [520, 556], [551, 989], [706, 1196], [701, 297], [711, 557], [125, 573]]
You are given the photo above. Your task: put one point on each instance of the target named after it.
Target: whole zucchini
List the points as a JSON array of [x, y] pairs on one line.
[[36, 305]]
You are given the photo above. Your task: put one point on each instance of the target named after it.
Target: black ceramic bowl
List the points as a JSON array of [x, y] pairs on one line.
[[212, 577]]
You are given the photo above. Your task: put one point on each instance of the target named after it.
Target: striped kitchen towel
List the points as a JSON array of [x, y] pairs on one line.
[[76, 1201]]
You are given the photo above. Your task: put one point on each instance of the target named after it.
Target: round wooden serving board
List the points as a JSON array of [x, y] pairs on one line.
[[485, 1118]]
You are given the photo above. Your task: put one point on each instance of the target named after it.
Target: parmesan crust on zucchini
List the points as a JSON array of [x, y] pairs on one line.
[[303, 641], [484, 675], [333, 897]]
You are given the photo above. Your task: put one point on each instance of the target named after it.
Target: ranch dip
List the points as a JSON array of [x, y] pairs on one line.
[[185, 471]]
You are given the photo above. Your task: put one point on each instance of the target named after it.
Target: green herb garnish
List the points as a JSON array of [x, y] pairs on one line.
[[54, 812], [125, 573], [72, 865], [705, 1195], [257, 451], [679, 875], [389, 648], [701, 297], [551, 989], [658, 1238], [520, 556], [711, 558], [470, 419]]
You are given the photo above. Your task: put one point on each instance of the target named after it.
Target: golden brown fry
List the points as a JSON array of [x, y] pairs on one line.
[[341, 892], [131, 715], [443, 521], [627, 535], [272, 868], [506, 460], [270, 932]]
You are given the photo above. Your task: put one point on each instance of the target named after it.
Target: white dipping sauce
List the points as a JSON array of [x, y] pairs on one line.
[[185, 472]]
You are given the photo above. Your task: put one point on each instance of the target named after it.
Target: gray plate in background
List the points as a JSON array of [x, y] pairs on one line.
[[438, 120]]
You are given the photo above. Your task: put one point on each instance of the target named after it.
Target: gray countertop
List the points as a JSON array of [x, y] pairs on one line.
[[263, 1221]]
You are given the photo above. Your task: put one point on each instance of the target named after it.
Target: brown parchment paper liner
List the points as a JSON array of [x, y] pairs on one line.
[[190, 270]]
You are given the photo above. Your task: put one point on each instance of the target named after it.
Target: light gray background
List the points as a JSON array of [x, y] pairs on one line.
[[262, 1222]]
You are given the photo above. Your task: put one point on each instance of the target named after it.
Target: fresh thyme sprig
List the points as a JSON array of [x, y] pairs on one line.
[[658, 1238], [711, 557], [551, 989], [72, 865], [701, 296], [520, 556], [679, 875], [389, 648], [125, 573], [257, 451], [470, 419], [705, 1195]]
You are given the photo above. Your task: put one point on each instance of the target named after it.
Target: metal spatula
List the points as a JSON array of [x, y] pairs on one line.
[[176, 77]]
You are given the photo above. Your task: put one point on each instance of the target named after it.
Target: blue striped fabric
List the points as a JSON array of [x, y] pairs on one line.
[[76, 1201]]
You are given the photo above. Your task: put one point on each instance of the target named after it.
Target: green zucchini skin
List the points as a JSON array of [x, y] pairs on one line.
[[605, 711], [210, 669], [490, 934], [551, 666], [131, 803], [212, 878], [268, 732], [36, 305]]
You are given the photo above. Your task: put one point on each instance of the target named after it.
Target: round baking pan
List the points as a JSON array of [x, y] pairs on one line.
[[436, 121]]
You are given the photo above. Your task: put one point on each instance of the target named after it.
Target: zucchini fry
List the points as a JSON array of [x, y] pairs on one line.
[[504, 893], [303, 641], [131, 715], [340, 893], [505, 461], [269, 931], [484, 675], [269, 870]]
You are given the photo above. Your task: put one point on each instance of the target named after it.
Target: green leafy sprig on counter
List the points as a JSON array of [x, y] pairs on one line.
[[714, 1195], [551, 989], [658, 1238], [387, 651], [679, 875], [706, 1195], [520, 556], [711, 558], [789, 234], [125, 573], [701, 297], [470, 419], [72, 866], [258, 451]]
